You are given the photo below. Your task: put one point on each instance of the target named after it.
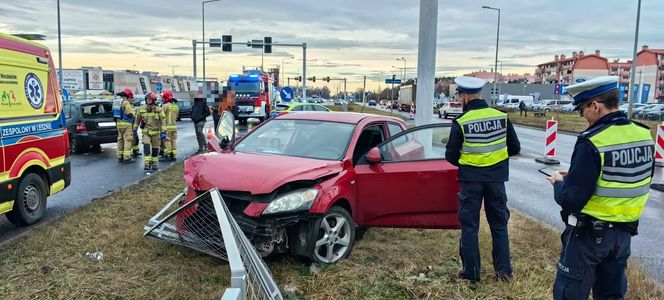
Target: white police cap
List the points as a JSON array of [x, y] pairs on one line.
[[469, 85], [589, 89]]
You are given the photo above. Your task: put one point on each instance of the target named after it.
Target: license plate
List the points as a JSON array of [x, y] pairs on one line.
[[105, 124]]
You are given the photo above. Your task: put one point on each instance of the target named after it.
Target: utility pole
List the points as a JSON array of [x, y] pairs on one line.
[[630, 93], [426, 60], [59, 49]]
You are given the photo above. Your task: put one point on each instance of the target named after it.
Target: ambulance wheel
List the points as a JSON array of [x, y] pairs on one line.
[[30, 203]]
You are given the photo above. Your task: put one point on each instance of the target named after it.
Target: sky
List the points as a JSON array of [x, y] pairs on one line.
[[345, 39]]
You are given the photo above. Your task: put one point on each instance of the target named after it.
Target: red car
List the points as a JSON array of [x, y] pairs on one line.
[[309, 184]]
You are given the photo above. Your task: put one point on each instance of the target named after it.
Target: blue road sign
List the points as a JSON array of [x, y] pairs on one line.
[[65, 95], [286, 94], [393, 81], [160, 87]]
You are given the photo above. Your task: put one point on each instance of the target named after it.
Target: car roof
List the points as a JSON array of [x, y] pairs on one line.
[[341, 117]]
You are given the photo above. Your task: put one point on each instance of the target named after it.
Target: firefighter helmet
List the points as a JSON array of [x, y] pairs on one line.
[[167, 96]]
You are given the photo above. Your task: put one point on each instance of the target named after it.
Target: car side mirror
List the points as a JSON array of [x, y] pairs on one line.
[[374, 157]]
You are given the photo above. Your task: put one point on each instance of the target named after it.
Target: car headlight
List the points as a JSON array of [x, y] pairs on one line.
[[257, 110], [293, 201]]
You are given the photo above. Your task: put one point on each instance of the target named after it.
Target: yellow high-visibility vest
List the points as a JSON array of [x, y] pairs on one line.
[[484, 137]]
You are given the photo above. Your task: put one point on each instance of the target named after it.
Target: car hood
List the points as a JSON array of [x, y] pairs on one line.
[[254, 173]]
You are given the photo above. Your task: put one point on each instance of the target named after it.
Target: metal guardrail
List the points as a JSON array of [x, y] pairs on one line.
[[205, 224]]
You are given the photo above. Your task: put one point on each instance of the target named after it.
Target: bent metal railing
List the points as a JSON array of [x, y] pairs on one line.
[[206, 225]]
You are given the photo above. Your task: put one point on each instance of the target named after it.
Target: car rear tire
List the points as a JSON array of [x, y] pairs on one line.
[[75, 146], [96, 148], [335, 236], [30, 203]]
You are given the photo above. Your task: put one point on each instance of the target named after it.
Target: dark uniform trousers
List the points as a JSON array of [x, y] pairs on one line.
[[497, 214], [586, 264]]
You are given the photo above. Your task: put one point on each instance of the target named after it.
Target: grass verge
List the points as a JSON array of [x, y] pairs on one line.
[[566, 122], [387, 264]]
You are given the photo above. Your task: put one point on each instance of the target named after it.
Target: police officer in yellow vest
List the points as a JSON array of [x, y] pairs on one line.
[[124, 126], [171, 110], [151, 120], [602, 196], [481, 140]]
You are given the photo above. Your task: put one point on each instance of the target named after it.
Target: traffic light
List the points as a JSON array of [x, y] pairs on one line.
[[394, 76], [327, 79], [267, 41], [313, 78], [298, 78], [226, 41]]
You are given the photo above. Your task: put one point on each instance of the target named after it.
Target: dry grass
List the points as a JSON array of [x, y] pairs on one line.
[[566, 122], [50, 262]]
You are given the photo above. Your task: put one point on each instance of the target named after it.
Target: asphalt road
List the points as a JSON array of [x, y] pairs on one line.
[[97, 174], [529, 192]]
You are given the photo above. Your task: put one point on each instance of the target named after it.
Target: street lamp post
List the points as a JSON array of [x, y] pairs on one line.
[[404, 67], [630, 93], [495, 68], [59, 49], [173, 69], [203, 23]]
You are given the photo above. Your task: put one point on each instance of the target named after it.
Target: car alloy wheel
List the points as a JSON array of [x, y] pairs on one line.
[[336, 236]]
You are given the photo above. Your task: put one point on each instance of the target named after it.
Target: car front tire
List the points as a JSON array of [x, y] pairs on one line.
[[335, 236]]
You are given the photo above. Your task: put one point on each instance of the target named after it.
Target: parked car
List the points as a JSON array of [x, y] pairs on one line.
[[90, 123], [283, 108], [450, 109], [185, 109], [550, 105], [329, 176], [640, 113], [652, 113], [567, 108], [373, 103], [625, 107]]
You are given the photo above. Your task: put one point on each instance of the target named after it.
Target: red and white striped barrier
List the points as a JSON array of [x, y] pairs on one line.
[[659, 146], [550, 141], [551, 134], [412, 111]]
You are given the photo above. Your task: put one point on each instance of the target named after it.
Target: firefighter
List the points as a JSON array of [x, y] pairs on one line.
[[151, 120], [124, 121], [135, 150], [171, 110], [602, 195], [481, 140]]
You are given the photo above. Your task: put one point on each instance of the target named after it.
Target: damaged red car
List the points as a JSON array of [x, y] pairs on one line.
[[311, 184]]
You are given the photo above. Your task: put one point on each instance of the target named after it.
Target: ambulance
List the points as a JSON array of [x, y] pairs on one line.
[[34, 143]]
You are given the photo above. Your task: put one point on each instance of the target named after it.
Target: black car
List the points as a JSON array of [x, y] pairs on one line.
[[90, 123], [185, 109]]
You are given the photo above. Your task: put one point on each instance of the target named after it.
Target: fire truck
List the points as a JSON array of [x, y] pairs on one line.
[[252, 95]]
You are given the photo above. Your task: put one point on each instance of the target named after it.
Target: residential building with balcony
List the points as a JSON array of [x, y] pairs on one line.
[[650, 74], [569, 70]]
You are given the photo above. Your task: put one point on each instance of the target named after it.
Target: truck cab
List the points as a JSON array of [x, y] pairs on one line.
[[252, 95]]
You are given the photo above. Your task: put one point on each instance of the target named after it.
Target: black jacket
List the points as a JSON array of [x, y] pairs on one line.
[[578, 186], [199, 110], [496, 173]]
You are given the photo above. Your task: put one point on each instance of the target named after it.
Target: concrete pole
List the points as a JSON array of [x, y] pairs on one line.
[[426, 61], [304, 71], [364, 90], [630, 93], [345, 92]]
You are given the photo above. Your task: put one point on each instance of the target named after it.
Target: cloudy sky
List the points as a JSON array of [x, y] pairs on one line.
[[345, 38]]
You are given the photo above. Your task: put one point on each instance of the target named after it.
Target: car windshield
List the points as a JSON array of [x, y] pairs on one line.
[[282, 107], [301, 138], [97, 110]]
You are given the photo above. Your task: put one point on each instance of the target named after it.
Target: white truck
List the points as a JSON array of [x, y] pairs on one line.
[[513, 101], [407, 97]]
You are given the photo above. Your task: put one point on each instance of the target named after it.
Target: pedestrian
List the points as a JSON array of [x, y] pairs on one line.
[[199, 112], [602, 195], [523, 109], [152, 121], [481, 140], [124, 120], [171, 110]]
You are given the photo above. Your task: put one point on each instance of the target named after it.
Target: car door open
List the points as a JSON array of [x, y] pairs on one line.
[[406, 182]]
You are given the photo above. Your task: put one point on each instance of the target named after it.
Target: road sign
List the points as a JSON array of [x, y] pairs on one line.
[[160, 87], [393, 81], [559, 89], [215, 43], [286, 94]]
